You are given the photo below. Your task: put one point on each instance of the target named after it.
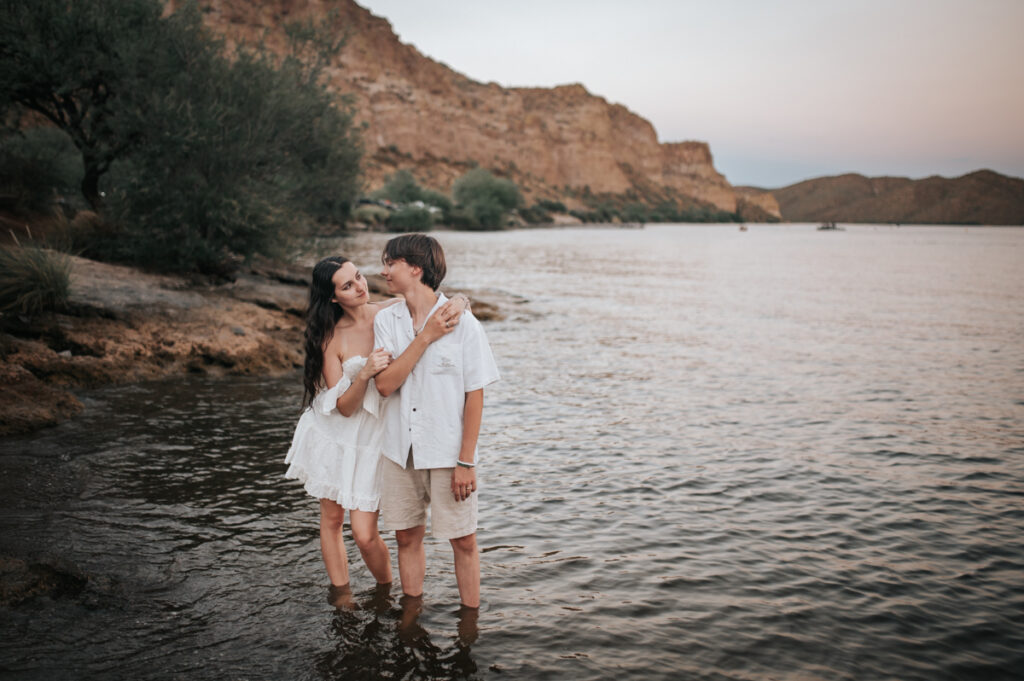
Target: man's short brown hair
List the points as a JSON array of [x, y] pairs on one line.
[[420, 251]]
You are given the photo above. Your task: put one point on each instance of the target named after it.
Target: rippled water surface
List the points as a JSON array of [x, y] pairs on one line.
[[779, 454]]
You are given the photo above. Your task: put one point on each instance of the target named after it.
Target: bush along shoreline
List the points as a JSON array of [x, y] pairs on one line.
[[483, 201]]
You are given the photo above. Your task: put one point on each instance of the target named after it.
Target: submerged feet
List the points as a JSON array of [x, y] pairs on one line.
[[340, 596], [409, 629], [469, 630]]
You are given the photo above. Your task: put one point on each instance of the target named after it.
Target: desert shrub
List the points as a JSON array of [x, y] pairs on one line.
[[586, 215], [432, 198], [38, 168], [606, 211], [552, 206], [636, 212], [535, 215], [33, 279], [401, 188], [705, 214], [371, 214], [460, 218], [410, 219], [484, 198]]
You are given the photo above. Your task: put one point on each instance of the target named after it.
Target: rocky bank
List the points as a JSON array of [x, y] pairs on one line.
[[124, 325]]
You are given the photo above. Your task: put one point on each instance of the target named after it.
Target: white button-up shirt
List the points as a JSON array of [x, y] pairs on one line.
[[427, 415]]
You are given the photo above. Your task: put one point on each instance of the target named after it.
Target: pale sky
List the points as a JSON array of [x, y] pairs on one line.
[[782, 90]]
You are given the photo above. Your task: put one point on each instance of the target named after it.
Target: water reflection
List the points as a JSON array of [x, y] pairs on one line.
[[381, 638], [771, 456]]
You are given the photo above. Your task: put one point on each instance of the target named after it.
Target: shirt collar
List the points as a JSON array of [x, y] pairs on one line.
[[441, 300]]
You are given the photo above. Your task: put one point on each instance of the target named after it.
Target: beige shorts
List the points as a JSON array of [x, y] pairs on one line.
[[406, 493]]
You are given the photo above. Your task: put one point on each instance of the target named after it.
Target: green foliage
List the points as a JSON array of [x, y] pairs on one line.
[[401, 188], [37, 167], [203, 158], [33, 279], [432, 198], [78, 64], [552, 206], [635, 212], [535, 215], [630, 207], [370, 214], [460, 218], [410, 219], [484, 199], [587, 216]]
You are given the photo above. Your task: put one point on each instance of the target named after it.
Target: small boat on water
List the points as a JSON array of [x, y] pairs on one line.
[[743, 228], [830, 226]]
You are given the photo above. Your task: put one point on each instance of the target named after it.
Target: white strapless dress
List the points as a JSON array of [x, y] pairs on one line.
[[338, 457]]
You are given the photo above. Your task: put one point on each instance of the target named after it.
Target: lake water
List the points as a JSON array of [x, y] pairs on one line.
[[778, 454]]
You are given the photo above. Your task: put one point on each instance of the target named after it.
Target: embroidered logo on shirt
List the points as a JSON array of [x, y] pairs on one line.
[[444, 362]]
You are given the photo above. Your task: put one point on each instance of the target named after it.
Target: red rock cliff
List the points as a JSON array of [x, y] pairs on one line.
[[423, 115]]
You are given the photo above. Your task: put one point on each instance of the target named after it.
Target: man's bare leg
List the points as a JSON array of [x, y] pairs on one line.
[[467, 569], [412, 559]]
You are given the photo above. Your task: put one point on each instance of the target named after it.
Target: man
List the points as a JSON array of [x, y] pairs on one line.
[[431, 430]]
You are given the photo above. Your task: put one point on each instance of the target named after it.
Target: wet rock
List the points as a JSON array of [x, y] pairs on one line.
[[125, 325], [119, 292], [269, 294], [21, 581], [27, 403]]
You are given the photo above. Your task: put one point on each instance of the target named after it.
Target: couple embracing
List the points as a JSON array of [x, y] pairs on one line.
[[395, 397]]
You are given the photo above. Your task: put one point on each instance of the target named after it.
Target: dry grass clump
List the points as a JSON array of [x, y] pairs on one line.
[[33, 279]]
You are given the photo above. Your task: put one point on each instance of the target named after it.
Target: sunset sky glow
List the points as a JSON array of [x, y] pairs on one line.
[[783, 91]]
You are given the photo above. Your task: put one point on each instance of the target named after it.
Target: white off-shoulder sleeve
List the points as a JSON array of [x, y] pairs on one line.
[[326, 401]]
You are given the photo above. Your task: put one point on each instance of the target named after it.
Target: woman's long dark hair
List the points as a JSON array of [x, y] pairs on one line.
[[321, 317]]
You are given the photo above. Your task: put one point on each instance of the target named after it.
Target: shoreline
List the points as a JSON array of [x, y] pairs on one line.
[[124, 325]]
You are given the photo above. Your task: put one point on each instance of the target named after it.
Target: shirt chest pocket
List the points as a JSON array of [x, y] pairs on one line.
[[444, 363]]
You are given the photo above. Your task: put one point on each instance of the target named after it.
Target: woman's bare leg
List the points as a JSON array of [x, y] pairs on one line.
[[371, 545], [332, 543]]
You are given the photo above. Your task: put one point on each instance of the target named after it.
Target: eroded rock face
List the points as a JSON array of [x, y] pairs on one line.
[[424, 116], [754, 205]]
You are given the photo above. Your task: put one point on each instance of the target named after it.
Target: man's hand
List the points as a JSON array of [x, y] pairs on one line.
[[438, 326], [463, 482]]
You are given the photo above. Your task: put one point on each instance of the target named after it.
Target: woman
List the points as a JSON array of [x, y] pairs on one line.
[[336, 449]]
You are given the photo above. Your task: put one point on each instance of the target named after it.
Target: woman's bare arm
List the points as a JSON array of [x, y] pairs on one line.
[[350, 400]]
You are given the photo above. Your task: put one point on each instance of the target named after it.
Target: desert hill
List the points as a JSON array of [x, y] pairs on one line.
[[560, 143], [982, 197]]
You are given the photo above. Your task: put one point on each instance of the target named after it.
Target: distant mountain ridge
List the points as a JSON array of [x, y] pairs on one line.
[[983, 197]]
